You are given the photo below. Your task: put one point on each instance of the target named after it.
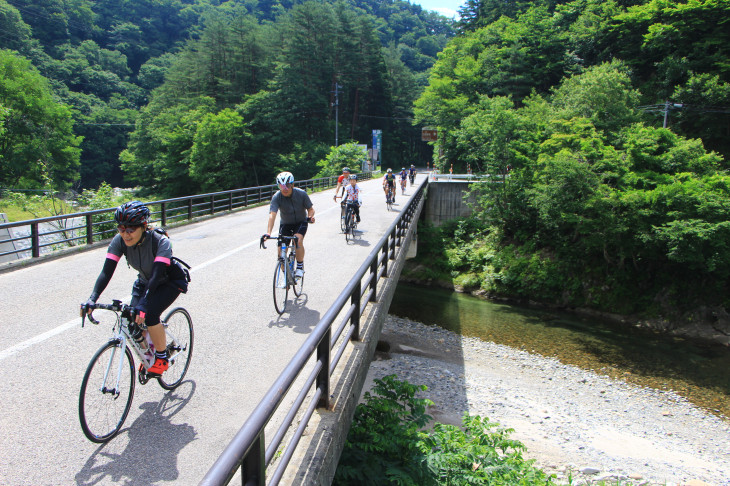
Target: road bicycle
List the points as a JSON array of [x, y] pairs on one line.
[[389, 197], [284, 277], [108, 385], [349, 220], [412, 177]]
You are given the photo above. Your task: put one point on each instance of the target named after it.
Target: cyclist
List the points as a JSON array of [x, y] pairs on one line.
[[342, 181], [403, 180], [389, 184], [412, 173], [296, 211], [157, 286], [353, 198]]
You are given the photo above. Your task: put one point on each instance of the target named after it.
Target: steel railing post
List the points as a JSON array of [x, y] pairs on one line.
[[374, 279], [163, 214], [323, 377], [190, 208], [35, 240], [355, 320], [253, 467], [89, 230]]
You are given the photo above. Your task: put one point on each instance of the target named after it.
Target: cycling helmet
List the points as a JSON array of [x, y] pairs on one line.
[[402, 168], [285, 178], [133, 213], [413, 166], [390, 170], [345, 169], [353, 177]]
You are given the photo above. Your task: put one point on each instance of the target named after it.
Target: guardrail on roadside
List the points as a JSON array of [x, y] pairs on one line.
[[436, 177], [248, 450], [90, 226]]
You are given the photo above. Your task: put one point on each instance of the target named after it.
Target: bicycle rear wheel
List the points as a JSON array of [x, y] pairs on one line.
[[106, 392], [179, 332], [281, 287], [298, 282]]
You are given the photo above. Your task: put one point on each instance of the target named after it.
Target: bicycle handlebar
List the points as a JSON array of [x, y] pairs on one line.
[[116, 306], [279, 239]]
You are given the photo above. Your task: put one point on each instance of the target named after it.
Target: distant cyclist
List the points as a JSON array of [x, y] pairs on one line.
[[403, 180], [157, 285], [353, 198], [342, 181], [412, 173], [296, 211], [389, 184]]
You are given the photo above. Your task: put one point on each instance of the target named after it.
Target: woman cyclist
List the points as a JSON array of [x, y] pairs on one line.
[[158, 282], [403, 180]]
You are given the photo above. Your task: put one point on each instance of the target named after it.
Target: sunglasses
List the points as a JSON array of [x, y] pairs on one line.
[[288, 186], [128, 229]]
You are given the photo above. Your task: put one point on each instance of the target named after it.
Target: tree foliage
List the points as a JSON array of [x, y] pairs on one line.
[[37, 142]]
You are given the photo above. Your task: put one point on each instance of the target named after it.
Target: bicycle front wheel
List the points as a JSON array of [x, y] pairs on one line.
[[297, 282], [281, 287], [348, 224], [342, 221], [106, 392], [179, 332]]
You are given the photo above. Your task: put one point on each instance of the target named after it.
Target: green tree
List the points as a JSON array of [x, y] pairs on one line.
[[346, 155], [38, 143], [217, 158]]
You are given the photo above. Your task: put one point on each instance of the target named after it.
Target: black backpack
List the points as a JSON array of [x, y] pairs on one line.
[[178, 271]]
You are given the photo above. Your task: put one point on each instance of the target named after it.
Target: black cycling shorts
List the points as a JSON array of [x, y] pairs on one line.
[[293, 228]]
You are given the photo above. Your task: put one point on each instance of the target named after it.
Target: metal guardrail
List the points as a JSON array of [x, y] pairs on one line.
[[248, 450], [90, 226], [436, 177]]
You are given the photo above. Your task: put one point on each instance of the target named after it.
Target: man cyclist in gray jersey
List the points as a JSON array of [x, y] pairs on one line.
[[296, 211]]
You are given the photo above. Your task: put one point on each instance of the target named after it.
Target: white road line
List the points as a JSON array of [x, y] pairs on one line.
[[13, 350]]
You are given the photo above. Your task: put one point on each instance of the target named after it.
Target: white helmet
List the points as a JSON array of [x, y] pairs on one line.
[[285, 178]]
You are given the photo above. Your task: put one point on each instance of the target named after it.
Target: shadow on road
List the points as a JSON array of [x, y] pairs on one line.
[[297, 316], [146, 451]]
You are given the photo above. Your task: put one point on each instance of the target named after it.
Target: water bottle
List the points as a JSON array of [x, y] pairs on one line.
[[136, 332]]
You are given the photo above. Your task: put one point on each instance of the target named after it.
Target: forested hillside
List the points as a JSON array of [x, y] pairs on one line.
[[597, 205], [179, 96]]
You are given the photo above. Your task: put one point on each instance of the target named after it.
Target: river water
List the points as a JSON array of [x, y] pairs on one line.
[[697, 371]]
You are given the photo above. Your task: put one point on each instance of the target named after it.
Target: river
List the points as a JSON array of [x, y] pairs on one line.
[[697, 371]]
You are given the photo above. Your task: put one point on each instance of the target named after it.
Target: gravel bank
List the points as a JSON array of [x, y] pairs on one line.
[[573, 422]]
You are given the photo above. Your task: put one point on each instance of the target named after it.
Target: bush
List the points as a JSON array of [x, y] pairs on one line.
[[386, 445]]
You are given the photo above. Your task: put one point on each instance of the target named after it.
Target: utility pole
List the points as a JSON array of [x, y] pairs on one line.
[[337, 112]]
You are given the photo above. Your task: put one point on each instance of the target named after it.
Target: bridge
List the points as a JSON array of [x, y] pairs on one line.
[[242, 348]]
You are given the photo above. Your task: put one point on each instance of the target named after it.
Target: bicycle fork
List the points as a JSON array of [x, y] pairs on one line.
[[120, 346]]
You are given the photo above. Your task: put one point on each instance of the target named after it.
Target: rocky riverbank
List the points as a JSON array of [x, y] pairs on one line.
[[576, 424]]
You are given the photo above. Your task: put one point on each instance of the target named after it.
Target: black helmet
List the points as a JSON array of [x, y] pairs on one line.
[[133, 213], [345, 169], [353, 177]]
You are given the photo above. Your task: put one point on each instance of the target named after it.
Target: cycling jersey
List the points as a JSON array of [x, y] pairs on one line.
[[389, 179], [353, 193], [403, 175], [151, 259], [293, 209]]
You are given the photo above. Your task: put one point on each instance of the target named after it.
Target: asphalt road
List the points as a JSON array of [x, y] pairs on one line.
[[241, 346]]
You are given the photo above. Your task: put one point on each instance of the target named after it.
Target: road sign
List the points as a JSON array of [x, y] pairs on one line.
[[429, 135]]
